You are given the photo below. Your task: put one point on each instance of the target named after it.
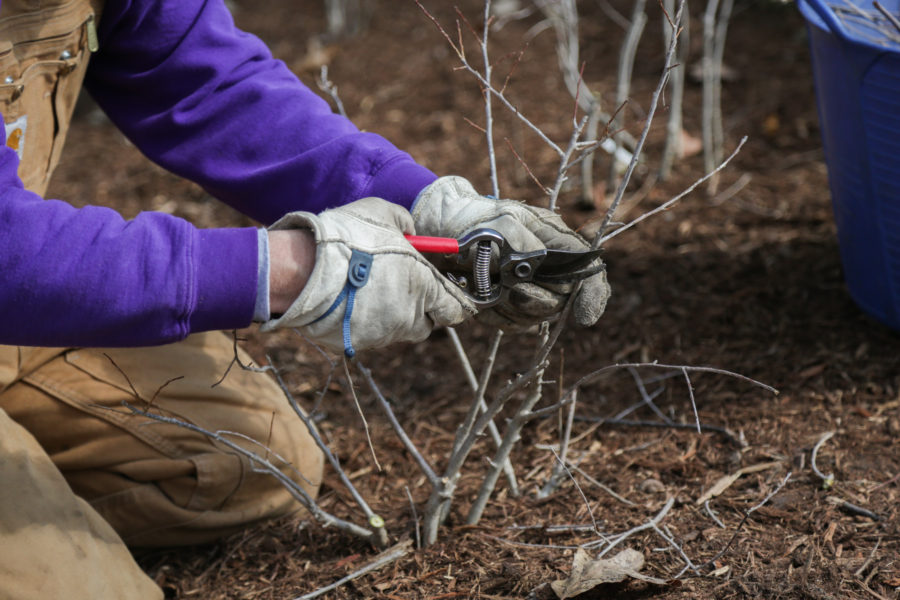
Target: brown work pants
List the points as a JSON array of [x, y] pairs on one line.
[[81, 476]]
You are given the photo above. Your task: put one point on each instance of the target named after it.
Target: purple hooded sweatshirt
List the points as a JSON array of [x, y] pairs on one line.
[[208, 102]]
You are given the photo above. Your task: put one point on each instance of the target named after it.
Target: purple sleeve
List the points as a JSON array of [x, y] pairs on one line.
[[87, 277], [208, 102]]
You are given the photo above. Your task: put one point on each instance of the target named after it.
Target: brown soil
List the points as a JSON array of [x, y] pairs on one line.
[[751, 284]]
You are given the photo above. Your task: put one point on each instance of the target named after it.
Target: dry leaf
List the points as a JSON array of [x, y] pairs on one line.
[[720, 486], [811, 371], [588, 573], [725, 482]]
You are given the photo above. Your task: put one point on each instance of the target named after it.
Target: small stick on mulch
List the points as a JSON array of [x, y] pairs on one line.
[[853, 509], [711, 562], [859, 572], [388, 556], [728, 435]]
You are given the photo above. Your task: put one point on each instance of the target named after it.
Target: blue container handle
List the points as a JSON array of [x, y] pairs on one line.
[[827, 15]]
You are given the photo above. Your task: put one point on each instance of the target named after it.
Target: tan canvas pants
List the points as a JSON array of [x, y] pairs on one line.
[[152, 484], [52, 543]]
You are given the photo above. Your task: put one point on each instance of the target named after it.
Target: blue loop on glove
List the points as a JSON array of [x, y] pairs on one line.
[[357, 276], [360, 265]]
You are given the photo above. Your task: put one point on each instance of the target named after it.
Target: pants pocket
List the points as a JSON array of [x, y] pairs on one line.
[[157, 483]]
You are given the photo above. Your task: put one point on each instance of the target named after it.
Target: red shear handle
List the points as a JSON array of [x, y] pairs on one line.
[[433, 245]]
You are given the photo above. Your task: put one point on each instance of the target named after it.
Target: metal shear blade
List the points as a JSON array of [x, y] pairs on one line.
[[550, 266], [477, 251]]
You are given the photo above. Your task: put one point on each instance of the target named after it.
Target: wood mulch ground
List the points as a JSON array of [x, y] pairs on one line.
[[751, 283]]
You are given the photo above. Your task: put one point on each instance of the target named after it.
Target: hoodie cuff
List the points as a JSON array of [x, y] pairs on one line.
[[400, 182], [225, 263], [261, 310]]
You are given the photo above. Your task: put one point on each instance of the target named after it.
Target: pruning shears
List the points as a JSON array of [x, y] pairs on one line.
[[492, 279]]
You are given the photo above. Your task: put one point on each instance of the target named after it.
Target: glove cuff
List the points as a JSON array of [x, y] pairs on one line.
[[320, 288], [404, 298]]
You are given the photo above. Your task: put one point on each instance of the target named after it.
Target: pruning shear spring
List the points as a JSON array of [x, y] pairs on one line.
[[490, 282]]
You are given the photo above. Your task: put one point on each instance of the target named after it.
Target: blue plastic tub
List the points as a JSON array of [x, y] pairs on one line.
[[857, 76]]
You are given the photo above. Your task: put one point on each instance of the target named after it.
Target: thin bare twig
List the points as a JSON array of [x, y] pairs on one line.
[[600, 485], [556, 476], [580, 492], [437, 503], [668, 204], [125, 375], [380, 533], [887, 14], [646, 397], [386, 557], [712, 515], [885, 483], [667, 536], [563, 17], [433, 479], [329, 88], [862, 569], [718, 58], [651, 396], [730, 436], [486, 85], [268, 467], [619, 538], [715, 29], [512, 68], [712, 561], [488, 110], [235, 360], [614, 15], [512, 436], [479, 398], [465, 429], [561, 174], [320, 395], [362, 415], [437, 507], [525, 166], [674, 126], [687, 379], [626, 178], [594, 375], [475, 125], [625, 72], [415, 516]]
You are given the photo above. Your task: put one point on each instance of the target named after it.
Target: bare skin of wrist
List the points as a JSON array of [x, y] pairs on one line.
[[292, 256]]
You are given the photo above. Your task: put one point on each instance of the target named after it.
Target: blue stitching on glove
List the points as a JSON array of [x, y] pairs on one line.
[[334, 305], [357, 277]]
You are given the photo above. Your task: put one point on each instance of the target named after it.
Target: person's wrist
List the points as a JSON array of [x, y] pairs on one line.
[[292, 259]]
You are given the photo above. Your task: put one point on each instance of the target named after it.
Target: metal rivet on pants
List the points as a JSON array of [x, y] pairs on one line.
[[9, 79], [66, 55]]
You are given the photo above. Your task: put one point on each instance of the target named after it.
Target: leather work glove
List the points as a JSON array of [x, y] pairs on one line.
[[450, 207], [369, 287]]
